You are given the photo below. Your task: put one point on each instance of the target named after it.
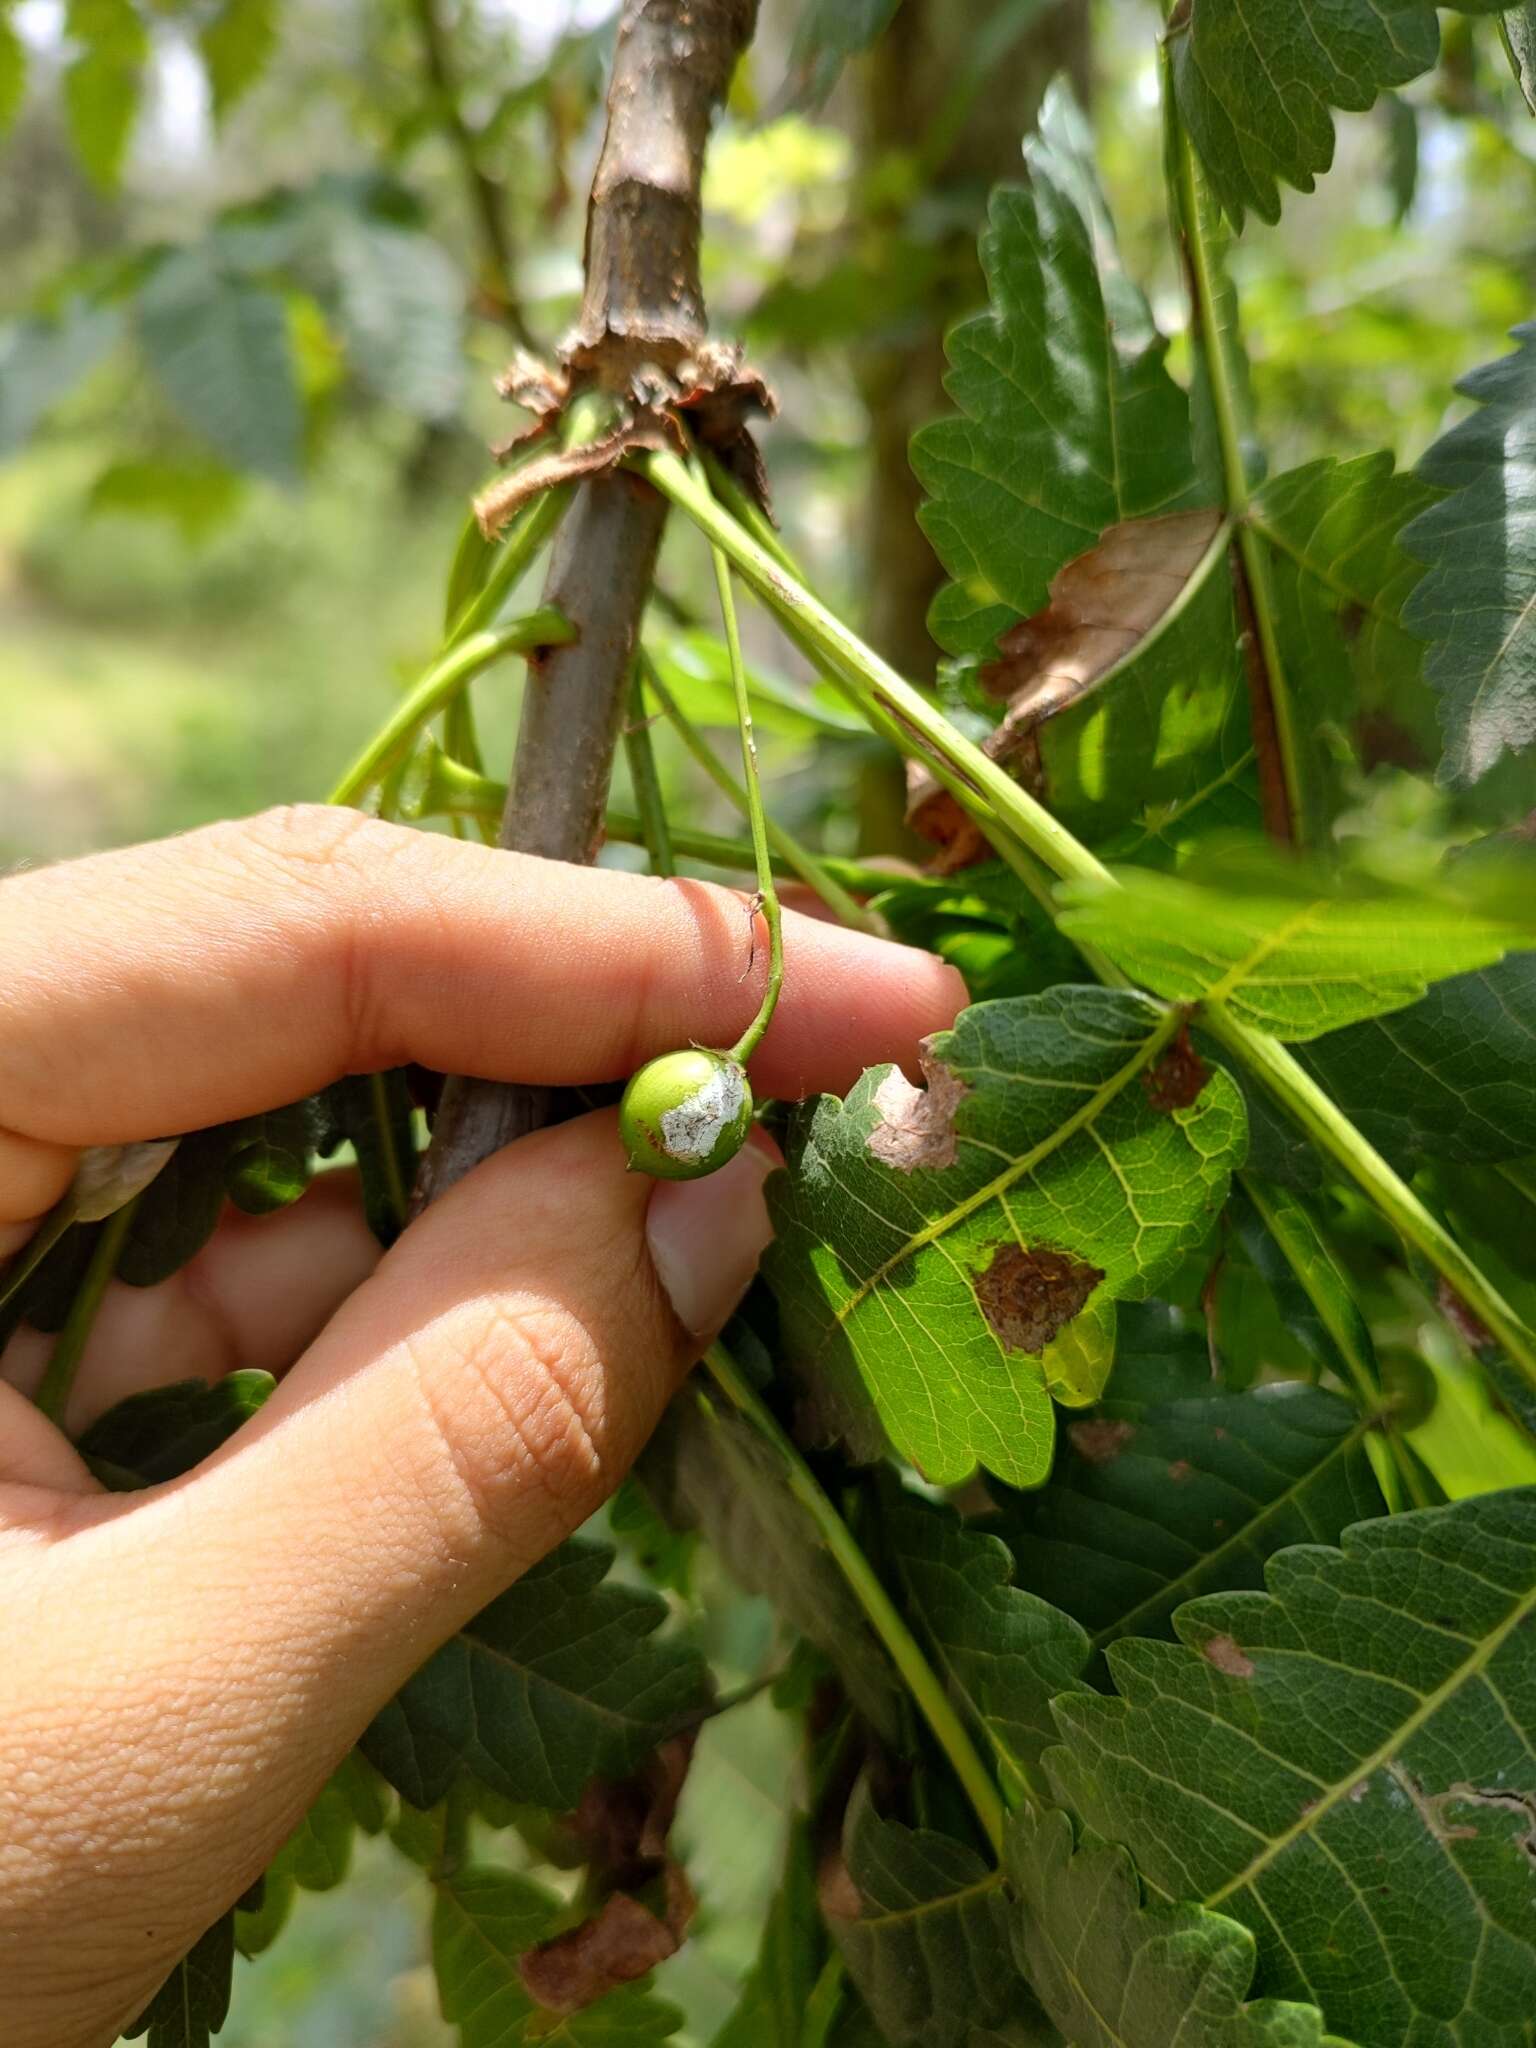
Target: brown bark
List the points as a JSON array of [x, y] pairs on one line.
[[643, 304], [910, 72]]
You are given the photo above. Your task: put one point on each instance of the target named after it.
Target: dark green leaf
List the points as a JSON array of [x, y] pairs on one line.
[[372, 1113], [716, 1474], [193, 2002], [165, 1431], [1113, 1972], [1285, 948], [556, 1682], [1174, 1486], [178, 1211], [237, 45], [483, 1922], [923, 1930], [1257, 81], [1342, 582], [1400, 119], [1477, 603], [946, 1257], [1068, 421], [1453, 1076], [1346, 1764], [220, 347], [103, 82], [827, 34], [1002, 1653]]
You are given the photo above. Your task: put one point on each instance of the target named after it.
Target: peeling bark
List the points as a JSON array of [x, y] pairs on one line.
[[643, 306]]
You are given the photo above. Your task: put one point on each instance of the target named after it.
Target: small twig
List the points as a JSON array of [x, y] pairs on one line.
[[69, 1347]]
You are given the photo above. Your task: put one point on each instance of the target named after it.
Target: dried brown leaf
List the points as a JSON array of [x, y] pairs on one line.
[[619, 1944]]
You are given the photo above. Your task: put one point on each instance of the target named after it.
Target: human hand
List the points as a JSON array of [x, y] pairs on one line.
[[184, 1667]]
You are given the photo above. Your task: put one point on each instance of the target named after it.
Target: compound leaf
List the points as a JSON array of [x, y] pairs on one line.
[[1346, 1763], [1173, 1486], [1114, 1972], [1477, 602], [1287, 950], [1002, 1652], [556, 1682], [1067, 418], [945, 1257]]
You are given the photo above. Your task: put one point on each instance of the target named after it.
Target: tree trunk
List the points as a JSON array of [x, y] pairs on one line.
[[909, 76], [643, 305]]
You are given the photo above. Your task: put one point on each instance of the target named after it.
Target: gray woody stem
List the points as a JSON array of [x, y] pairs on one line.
[[643, 304]]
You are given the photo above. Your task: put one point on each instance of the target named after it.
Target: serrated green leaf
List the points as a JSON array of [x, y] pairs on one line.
[[1477, 602], [1257, 81], [1345, 1763], [1114, 1972], [165, 1431], [400, 301], [1453, 1076], [193, 2002], [1341, 582], [483, 1921], [1037, 1174], [103, 83], [1175, 1486], [43, 359], [1283, 948], [237, 45], [716, 1474], [1068, 421], [219, 345], [13, 73], [557, 1681], [1003, 1654], [927, 1948]]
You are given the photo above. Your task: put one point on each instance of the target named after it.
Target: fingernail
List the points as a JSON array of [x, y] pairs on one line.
[[706, 1237]]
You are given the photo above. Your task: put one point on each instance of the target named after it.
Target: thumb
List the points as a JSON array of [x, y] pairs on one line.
[[469, 1406]]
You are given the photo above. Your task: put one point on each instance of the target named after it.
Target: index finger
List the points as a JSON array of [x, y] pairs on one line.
[[185, 982]]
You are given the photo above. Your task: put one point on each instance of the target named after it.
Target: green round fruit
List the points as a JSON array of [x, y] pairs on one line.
[[686, 1114]]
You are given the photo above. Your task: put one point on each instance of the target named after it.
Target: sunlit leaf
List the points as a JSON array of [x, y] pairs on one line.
[[103, 82], [1067, 420], [933, 1244], [237, 45], [1477, 602], [1345, 1763], [13, 72], [1284, 947]]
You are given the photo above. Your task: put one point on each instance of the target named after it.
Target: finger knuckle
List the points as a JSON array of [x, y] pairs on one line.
[[513, 1395]]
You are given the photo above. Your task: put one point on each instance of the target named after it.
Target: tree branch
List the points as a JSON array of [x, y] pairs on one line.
[[643, 306]]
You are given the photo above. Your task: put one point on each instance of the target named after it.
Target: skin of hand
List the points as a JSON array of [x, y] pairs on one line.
[[185, 1666]]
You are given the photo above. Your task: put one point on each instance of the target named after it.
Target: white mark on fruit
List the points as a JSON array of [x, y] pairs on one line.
[[694, 1128]]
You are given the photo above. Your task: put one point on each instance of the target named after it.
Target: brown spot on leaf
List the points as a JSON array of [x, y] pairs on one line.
[[1223, 1652], [1177, 1078], [1027, 1296], [836, 1892], [1180, 1471], [1100, 1440], [619, 1944], [917, 1125], [1351, 619]]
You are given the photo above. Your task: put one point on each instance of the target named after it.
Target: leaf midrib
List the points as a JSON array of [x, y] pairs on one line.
[[1340, 1447], [1430, 1705], [1166, 1029]]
